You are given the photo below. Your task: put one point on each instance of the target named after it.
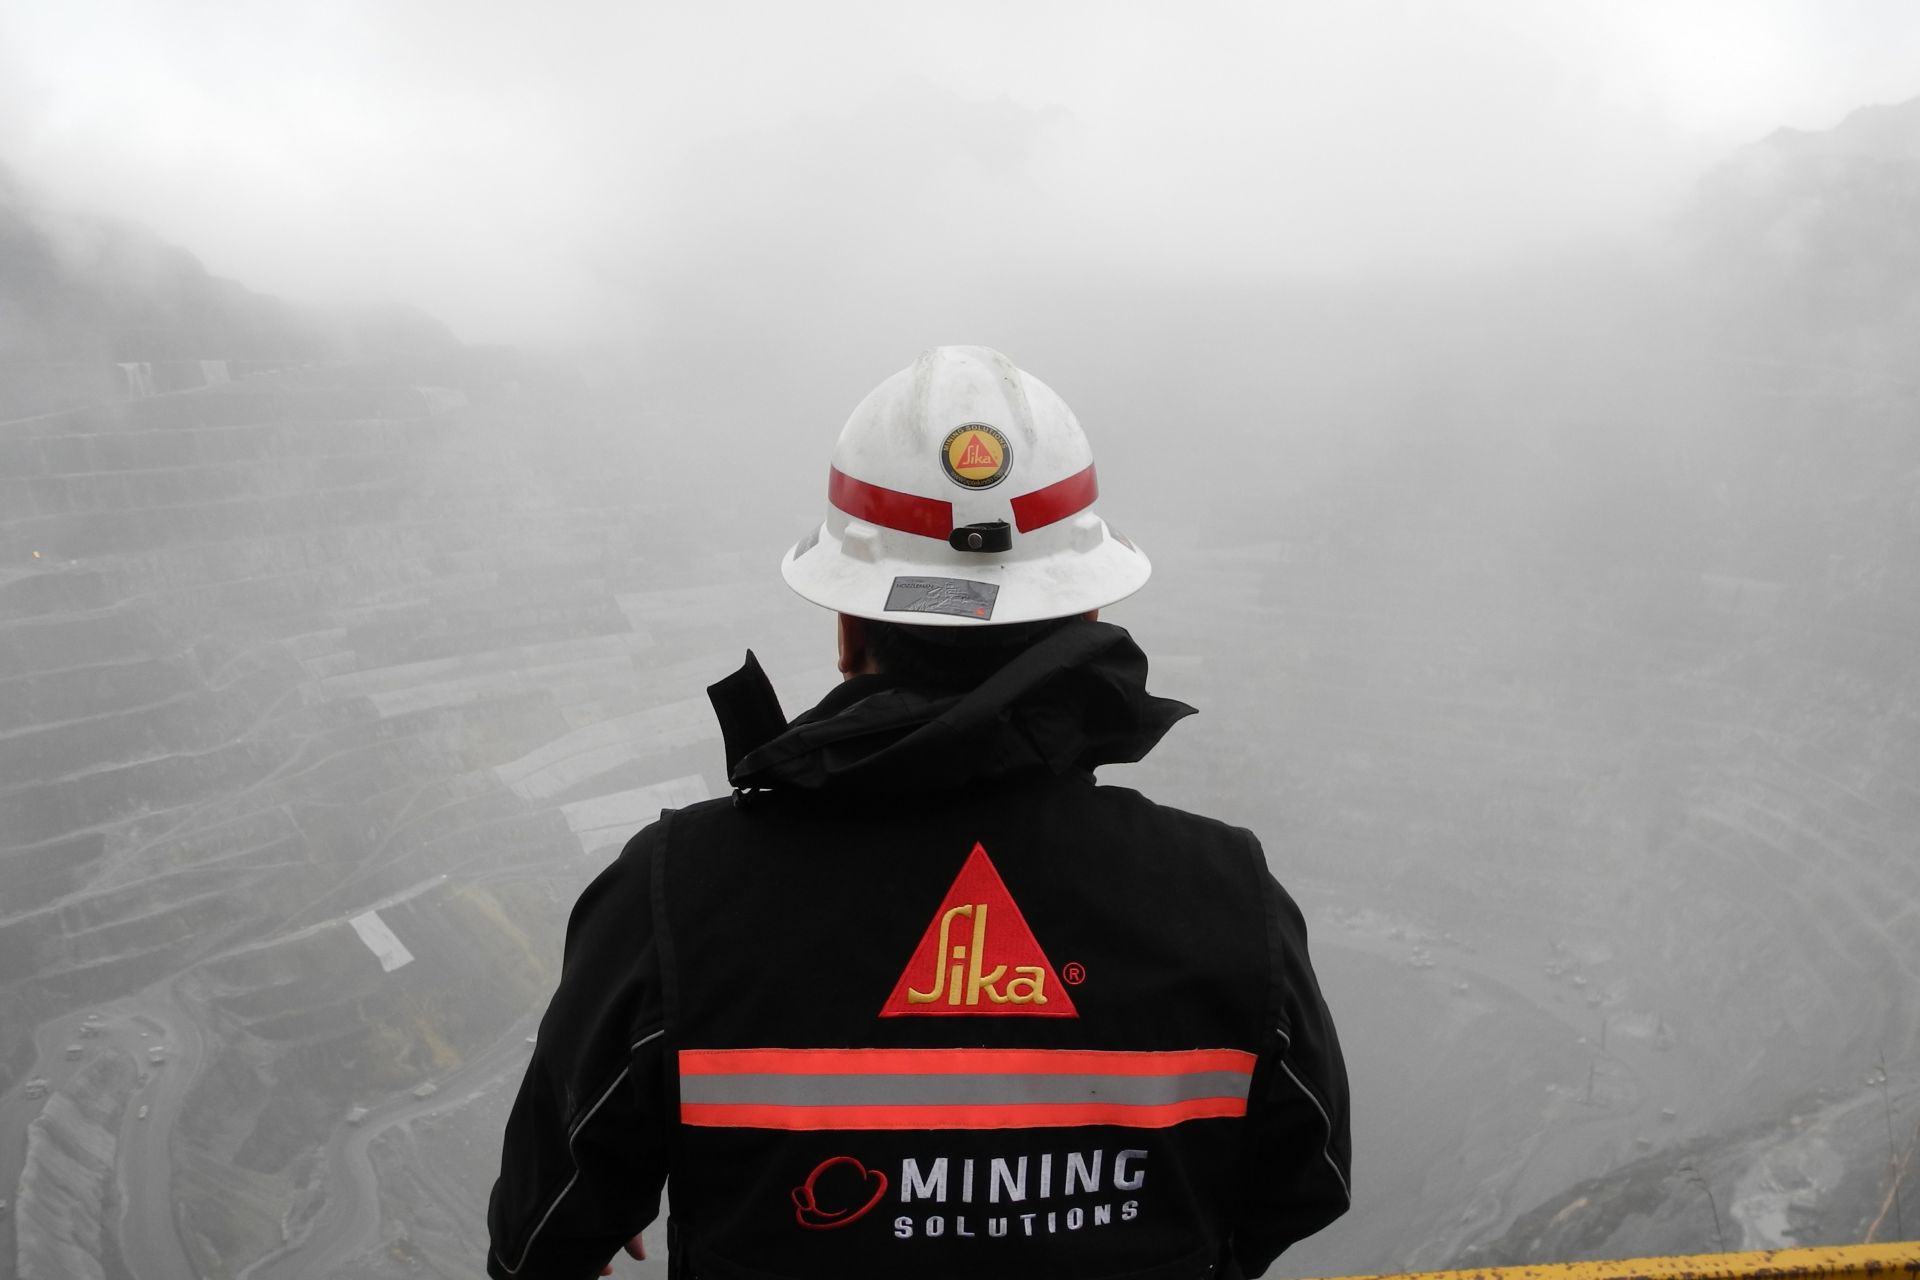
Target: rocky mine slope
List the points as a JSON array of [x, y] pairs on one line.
[[295, 663], [89, 305]]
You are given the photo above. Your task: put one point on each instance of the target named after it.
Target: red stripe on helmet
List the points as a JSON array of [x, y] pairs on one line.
[[889, 508], [1056, 502]]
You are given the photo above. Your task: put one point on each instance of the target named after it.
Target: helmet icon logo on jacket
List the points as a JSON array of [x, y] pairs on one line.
[[979, 956], [838, 1191], [975, 455]]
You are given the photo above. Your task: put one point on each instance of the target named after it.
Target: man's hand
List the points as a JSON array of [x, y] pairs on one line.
[[634, 1248]]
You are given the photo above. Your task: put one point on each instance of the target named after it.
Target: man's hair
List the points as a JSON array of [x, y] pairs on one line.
[[951, 659]]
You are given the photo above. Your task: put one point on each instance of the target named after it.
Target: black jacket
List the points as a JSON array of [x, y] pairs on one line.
[[924, 999]]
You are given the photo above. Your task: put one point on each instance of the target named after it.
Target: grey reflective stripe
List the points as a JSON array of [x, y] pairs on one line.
[[573, 1133], [1326, 1149], [852, 1090]]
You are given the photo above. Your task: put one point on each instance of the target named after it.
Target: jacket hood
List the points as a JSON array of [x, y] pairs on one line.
[[1074, 700]]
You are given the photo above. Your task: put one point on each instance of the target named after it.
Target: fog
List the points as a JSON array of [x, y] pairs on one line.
[[403, 410], [523, 175]]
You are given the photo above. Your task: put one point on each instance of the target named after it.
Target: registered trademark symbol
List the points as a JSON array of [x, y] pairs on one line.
[[1074, 974]]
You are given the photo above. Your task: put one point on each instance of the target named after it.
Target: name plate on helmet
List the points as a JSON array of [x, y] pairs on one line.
[[960, 597]]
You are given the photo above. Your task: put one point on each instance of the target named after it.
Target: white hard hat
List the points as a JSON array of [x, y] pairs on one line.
[[962, 494]]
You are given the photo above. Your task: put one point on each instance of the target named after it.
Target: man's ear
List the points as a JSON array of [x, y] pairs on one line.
[[854, 660]]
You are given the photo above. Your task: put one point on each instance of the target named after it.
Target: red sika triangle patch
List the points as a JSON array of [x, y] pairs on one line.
[[979, 957], [977, 454]]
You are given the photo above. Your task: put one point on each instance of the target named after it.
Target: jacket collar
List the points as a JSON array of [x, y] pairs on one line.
[[1075, 700]]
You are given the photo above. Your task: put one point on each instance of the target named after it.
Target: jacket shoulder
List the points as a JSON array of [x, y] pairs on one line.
[[648, 840], [1211, 832]]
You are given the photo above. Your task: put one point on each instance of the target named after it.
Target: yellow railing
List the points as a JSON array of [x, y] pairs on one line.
[[1847, 1262]]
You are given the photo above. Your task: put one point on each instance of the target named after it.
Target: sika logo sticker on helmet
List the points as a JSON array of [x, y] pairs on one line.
[[976, 456]]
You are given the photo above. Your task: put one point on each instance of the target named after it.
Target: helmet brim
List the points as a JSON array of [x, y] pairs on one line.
[[845, 566]]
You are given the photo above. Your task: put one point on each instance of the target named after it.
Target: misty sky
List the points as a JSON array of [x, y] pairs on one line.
[[529, 172]]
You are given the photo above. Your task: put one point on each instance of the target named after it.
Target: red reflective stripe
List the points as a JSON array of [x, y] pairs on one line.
[[933, 517], [727, 1062], [889, 508], [1057, 501], [1003, 1115]]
